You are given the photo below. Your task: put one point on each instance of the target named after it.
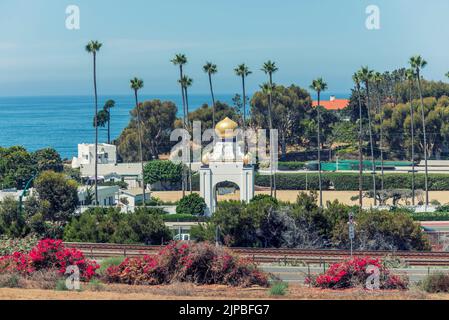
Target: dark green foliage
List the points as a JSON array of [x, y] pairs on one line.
[[58, 196], [191, 204], [304, 225], [17, 165], [158, 119], [291, 165], [12, 221], [165, 172], [104, 225]]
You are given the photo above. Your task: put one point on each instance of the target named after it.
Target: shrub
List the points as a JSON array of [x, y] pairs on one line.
[[436, 283], [10, 280], [279, 288], [352, 273], [165, 172], [106, 263], [200, 263], [381, 230], [109, 225], [48, 255], [9, 246], [191, 204], [264, 197]]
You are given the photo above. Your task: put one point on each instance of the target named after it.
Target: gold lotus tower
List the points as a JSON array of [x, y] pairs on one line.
[[226, 163]]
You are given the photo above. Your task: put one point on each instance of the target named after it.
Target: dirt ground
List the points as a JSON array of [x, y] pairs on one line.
[[192, 292], [291, 195]]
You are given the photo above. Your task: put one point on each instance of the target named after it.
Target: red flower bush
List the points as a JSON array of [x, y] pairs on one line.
[[48, 254], [200, 263], [354, 272]]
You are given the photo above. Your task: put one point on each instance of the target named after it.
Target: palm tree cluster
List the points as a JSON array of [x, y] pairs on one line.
[[372, 81], [369, 89]]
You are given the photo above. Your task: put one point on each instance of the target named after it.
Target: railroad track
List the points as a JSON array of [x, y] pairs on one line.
[[261, 255]]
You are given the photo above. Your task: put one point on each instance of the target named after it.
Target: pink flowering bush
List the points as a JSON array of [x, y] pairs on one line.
[[352, 273], [48, 254], [200, 263]]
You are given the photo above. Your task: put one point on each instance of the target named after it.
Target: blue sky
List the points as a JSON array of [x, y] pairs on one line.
[[307, 39]]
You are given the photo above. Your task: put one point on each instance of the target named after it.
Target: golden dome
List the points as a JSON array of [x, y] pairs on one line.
[[225, 128], [205, 159], [247, 159]]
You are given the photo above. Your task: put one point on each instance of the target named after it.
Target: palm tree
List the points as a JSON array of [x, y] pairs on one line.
[[211, 69], [243, 71], [319, 86], [107, 107], [377, 79], [136, 85], [366, 76], [93, 47], [356, 79], [180, 60], [418, 63], [410, 75], [269, 68], [186, 82]]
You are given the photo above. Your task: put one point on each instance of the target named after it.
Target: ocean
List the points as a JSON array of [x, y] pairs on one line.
[[62, 122]]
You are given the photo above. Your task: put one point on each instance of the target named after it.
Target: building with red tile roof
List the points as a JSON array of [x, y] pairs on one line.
[[333, 104]]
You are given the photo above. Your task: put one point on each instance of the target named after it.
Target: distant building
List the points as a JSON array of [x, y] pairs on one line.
[[107, 154], [107, 195], [14, 194], [333, 104], [108, 168]]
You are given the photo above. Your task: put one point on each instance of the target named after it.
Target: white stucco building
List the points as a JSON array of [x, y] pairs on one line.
[[226, 163], [108, 168], [107, 154]]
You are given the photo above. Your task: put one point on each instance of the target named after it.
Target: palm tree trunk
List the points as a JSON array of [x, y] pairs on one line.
[[184, 178], [139, 129], [96, 129], [244, 101], [412, 127], [213, 100], [109, 126], [270, 119], [319, 150], [373, 164], [189, 126], [381, 142], [360, 151], [426, 180]]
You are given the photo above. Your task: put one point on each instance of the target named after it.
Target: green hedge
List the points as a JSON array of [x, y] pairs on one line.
[[293, 181], [291, 165], [430, 216], [350, 181], [183, 218]]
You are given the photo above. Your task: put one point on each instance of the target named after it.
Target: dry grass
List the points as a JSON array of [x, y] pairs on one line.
[[291, 195], [182, 291]]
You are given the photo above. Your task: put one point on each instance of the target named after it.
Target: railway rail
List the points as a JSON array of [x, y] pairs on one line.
[[281, 256]]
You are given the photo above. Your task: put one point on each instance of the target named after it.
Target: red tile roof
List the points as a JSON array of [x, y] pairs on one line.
[[336, 104]]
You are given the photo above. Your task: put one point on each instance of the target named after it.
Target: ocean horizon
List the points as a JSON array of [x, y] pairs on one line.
[[62, 122]]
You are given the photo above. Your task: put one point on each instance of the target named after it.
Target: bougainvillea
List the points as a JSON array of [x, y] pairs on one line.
[[200, 263], [48, 254], [354, 272]]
